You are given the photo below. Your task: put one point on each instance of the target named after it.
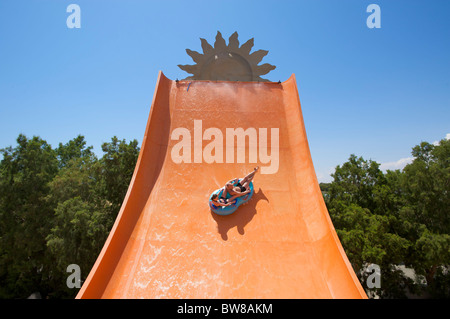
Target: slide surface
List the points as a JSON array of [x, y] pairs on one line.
[[166, 243]]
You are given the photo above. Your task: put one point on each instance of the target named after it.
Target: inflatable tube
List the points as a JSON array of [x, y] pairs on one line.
[[227, 210]]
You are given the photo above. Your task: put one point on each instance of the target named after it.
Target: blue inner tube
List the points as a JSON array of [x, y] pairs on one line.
[[227, 210]]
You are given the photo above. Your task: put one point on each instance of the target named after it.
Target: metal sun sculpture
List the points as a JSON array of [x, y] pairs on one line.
[[227, 62]]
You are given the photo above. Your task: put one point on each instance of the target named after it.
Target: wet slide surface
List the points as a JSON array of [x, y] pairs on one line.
[[166, 243]]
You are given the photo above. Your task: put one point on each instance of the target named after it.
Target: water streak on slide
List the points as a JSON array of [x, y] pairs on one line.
[[166, 243]]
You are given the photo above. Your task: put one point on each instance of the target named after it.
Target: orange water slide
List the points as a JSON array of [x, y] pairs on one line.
[[166, 243]]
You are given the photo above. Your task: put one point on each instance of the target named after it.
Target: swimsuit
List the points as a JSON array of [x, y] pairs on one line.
[[242, 188]]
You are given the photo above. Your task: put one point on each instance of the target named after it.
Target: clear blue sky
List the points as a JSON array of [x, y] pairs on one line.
[[372, 92]]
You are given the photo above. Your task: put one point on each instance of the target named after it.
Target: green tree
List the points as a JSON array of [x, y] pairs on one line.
[[74, 149], [25, 173], [400, 217], [117, 167], [427, 185], [355, 182], [362, 205], [78, 228], [426, 213], [87, 194], [57, 207]]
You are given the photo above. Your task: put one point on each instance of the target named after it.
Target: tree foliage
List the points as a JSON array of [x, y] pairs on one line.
[[396, 218], [57, 207]]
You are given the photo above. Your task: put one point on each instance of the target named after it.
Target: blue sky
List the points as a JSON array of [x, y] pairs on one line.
[[375, 93]]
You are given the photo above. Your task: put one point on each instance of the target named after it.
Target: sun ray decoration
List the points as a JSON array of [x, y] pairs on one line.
[[227, 62]]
